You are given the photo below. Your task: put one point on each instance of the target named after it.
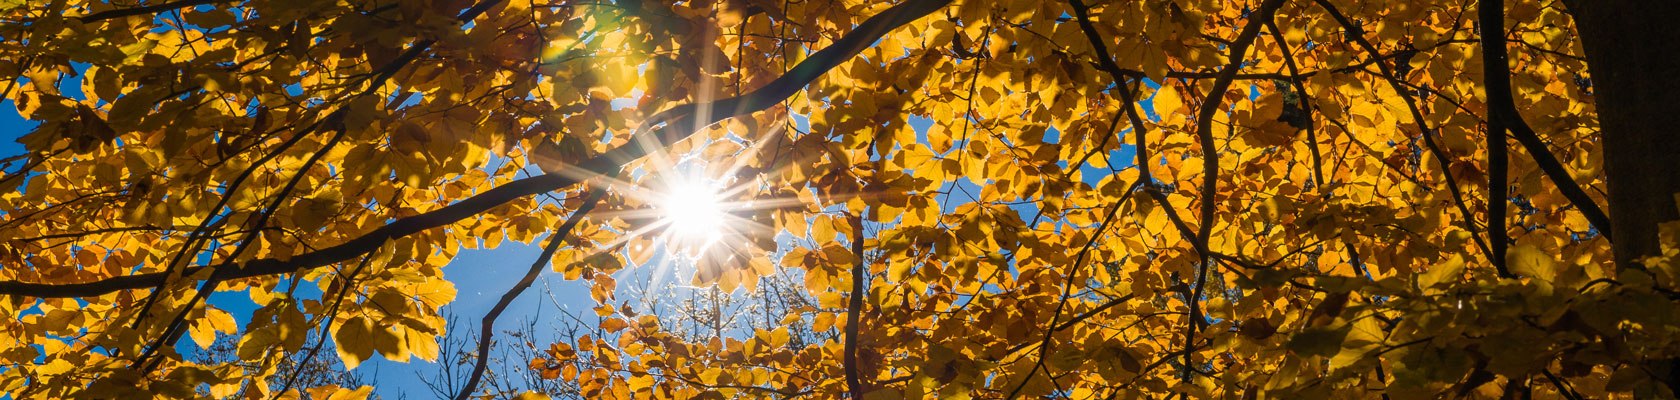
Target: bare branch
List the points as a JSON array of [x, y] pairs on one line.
[[488, 325]]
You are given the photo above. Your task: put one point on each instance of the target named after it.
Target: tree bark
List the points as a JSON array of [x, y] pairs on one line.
[[1633, 54]]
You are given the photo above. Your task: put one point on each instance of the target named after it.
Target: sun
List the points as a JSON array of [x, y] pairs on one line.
[[693, 212]]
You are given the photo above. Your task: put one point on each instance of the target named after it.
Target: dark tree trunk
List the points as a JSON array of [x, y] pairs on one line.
[[1633, 54]]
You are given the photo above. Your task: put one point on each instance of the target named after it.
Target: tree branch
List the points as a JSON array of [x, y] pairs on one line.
[[177, 325], [1496, 88], [1067, 288], [349, 286], [1356, 34], [1301, 99], [678, 123], [1502, 110], [487, 326], [334, 121], [1210, 167]]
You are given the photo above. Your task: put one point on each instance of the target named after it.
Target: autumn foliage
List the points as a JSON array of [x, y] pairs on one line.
[[997, 199]]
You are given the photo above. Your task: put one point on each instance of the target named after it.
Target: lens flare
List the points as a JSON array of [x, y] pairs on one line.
[[692, 209]]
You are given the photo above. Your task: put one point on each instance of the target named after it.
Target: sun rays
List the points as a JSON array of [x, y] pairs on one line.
[[689, 198], [687, 211]]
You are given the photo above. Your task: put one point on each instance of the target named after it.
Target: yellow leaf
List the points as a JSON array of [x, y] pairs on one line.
[[613, 324], [203, 331], [1444, 273], [334, 392], [322, 392], [1576, 221], [354, 341], [822, 229], [257, 341], [1366, 336], [762, 266], [1526, 260], [435, 292], [388, 343], [56, 367], [421, 344], [529, 395], [1166, 101]]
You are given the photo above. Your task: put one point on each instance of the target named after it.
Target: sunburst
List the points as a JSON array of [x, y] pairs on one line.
[[690, 214], [693, 211]]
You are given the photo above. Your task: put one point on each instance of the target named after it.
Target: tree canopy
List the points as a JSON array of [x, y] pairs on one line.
[[1068, 199]]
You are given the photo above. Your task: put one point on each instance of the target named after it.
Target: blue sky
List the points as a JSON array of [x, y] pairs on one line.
[[12, 126]]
